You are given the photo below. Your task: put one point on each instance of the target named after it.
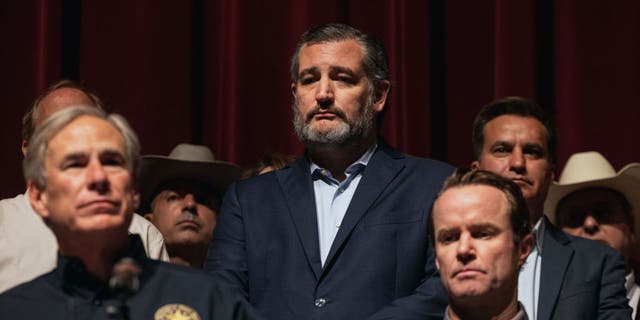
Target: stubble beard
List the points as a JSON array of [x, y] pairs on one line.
[[342, 133]]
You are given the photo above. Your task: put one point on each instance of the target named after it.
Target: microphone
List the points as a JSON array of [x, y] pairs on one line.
[[123, 283]]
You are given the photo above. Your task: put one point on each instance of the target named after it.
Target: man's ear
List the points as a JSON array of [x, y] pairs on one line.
[[293, 89], [380, 94], [526, 245], [136, 200], [38, 199], [475, 165], [437, 264], [24, 147]]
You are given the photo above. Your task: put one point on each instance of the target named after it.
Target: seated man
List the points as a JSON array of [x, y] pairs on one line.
[[482, 236], [592, 201], [181, 196], [80, 171], [27, 247]]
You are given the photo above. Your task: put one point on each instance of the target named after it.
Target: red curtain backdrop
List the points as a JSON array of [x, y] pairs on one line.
[[217, 72]]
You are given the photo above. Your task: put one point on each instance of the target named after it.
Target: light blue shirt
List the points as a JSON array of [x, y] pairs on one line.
[[529, 277], [333, 198]]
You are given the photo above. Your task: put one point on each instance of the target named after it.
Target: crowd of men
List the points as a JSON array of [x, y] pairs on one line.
[[352, 229]]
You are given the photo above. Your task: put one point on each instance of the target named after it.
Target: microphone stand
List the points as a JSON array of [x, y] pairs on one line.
[[123, 283]]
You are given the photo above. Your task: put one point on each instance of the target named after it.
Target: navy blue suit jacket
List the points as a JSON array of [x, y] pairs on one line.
[[580, 279], [266, 243]]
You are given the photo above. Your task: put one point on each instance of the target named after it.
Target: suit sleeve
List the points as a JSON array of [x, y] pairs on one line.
[[227, 258], [428, 300], [613, 295]]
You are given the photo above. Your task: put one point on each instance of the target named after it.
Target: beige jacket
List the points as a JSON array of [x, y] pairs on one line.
[[29, 249]]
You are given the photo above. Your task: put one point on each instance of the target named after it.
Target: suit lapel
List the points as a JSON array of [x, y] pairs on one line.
[[298, 190], [637, 310], [380, 171], [555, 259]]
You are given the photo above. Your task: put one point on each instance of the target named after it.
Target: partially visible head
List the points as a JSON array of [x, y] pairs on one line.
[[375, 62], [481, 234], [340, 82], [34, 163], [80, 169], [185, 211], [593, 201], [270, 162], [514, 138], [181, 195], [512, 106], [64, 93], [599, 214]]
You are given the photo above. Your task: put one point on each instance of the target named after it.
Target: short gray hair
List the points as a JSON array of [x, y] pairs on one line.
[[33, 164]]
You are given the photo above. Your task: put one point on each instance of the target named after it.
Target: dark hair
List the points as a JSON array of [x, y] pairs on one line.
[[375, 62], [29, 118], [512, 106], [274, 160], [518, 209]]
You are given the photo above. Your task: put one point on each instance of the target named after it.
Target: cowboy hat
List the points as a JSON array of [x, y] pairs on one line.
[[185, 162], [590, 169]]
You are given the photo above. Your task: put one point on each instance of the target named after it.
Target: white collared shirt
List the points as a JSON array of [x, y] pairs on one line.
[[333, 198], [633, 292], [529, 277]]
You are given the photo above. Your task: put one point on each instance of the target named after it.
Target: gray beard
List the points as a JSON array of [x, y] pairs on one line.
[[346, 131]]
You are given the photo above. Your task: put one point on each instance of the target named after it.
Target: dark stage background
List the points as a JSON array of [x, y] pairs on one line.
[[216, 72]]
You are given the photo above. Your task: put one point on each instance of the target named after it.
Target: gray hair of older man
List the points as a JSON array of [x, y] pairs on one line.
[[33, 164]]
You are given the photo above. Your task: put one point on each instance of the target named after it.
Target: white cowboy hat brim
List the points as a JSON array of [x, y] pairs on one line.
[[626, 181]]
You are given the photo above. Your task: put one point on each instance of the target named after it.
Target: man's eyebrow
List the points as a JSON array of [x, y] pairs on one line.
[[308, 71], [111, 154], [483, 226], [534, 145], [501, 143], [74, 156], [342, 69], [446, 231], [111, 151]]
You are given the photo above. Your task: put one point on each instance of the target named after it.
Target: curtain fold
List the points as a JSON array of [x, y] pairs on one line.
[[217, 72]]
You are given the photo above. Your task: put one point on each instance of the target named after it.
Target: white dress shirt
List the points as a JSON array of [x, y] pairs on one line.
[[529, 277], [333, 198]]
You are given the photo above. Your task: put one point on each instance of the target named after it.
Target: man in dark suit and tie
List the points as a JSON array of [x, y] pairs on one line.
[[564, 277], [341, 233]]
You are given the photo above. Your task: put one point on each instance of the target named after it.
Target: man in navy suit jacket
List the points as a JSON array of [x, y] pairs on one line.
[[342, 232], [564, 277]]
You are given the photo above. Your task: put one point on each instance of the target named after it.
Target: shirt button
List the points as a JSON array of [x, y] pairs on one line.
[[341, 190], [320, 302]]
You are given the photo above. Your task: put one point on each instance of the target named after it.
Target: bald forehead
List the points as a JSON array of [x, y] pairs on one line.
[[58, 100]]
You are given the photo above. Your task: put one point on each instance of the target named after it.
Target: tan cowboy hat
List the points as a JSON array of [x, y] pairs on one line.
[[186, 161], [591, 169]]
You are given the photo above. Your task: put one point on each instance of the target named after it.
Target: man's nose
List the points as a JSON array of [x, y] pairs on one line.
[[190, 203], [324, 93], [97, 177], [517, 162], [590, 225], [466, 252]]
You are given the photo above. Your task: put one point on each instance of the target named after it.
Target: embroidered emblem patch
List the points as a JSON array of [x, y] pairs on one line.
[[176, 312]]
